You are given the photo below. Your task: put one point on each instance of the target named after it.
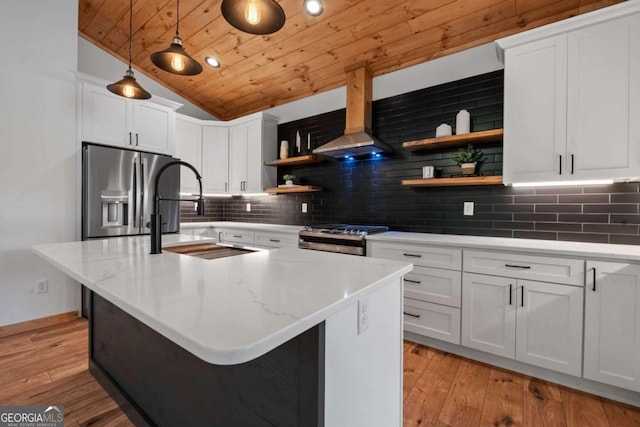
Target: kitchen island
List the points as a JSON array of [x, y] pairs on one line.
[[285, 337]]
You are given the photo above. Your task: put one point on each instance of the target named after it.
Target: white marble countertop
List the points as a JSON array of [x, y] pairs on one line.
[[225, 311], [548, 247], [277, 228]]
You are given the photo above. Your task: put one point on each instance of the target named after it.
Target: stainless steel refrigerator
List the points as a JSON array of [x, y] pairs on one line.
[[118, 189]]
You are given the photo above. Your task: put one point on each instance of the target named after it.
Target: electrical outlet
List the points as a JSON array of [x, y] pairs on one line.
[[42, 286], [363, 315], [248, 207], [468, 208], [304, 208]]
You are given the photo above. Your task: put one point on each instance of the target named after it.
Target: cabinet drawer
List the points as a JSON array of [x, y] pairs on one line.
[[419, 255], [530, 267], [434, 285], [237, 236], [432, 320], [276, 240]]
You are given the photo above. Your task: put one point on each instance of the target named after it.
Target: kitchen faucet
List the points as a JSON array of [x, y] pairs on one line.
[[156, 218]]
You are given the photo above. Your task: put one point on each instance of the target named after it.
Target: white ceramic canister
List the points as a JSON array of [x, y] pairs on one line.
[[463, 122], [428, 171], [284, 149], [443, 130]]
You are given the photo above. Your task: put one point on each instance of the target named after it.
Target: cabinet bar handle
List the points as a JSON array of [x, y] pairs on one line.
[[237, 236], [136, 139], [523, 267], [417, 316], [572, 164], [417, 282], [522, 297], [226, 185], [274, 240], [130, 139], [413, 255], [594, 280], [560, 165], [510, 294]]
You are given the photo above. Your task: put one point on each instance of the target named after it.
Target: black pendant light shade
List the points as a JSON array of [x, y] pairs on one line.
[[176, 60], [129, 87], [254, 16]]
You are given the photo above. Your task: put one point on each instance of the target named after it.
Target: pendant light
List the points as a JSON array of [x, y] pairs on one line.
[[128, 86], [175, 59], [254, 16]]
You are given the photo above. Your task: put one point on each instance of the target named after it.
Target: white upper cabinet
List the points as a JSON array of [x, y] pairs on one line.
[[105, 117], [215, 158], [535, 111], [189, 149], [113, 120], [603, 100], [252, 142], [230, 156], [572, 91], [153, 127]]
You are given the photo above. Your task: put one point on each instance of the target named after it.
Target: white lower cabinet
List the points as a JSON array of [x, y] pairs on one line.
[[549, 326], [432, 320], [533, 322], [432, 290], [230, 235], [276, 240], [489, 314], [612, 324]]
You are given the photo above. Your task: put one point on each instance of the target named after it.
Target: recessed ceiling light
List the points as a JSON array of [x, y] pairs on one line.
[[213, 62], [313, 7]]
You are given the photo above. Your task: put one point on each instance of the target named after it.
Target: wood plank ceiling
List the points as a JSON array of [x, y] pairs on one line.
[[309, 54]]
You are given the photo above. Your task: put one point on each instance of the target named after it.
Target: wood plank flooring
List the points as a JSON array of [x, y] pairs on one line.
[[49, 366], [442, 389]]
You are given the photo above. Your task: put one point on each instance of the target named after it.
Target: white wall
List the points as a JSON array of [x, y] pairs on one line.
[[96, 62], [468, 63], [38, 161]]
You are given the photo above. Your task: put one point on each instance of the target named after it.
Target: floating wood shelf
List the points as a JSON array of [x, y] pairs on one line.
[[296, 161], [294, 189], [454, 141], [450, 182]]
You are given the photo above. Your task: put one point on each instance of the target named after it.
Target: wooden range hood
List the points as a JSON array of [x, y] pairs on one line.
[[358, 139]]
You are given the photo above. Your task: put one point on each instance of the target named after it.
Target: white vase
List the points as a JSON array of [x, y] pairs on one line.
[[288, 182], [463, 122], [443, 130], [284, 149]]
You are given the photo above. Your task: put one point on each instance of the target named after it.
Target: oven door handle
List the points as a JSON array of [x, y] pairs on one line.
[[327, 247]]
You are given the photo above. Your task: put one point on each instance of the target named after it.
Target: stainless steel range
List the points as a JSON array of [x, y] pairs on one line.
[[340, 238]]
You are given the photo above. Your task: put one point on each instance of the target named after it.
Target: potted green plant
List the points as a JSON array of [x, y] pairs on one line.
[[468, 159], [288, 179]]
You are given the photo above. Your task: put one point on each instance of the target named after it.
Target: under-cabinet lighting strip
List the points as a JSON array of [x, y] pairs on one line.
[[563, 183]]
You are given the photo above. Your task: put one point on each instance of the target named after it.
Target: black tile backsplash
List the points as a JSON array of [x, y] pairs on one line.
[[369, 191]]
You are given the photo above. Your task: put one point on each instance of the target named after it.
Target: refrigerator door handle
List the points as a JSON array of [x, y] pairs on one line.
[[143, 185], [134, 188]]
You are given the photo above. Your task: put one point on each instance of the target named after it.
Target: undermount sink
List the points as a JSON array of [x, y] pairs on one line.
[[208, 251]]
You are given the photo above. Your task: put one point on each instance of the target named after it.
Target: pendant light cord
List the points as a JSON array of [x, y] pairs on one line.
[[177, 16], [130, 29]]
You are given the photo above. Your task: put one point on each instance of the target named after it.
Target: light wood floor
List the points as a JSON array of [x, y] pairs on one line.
[[49, 367]]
